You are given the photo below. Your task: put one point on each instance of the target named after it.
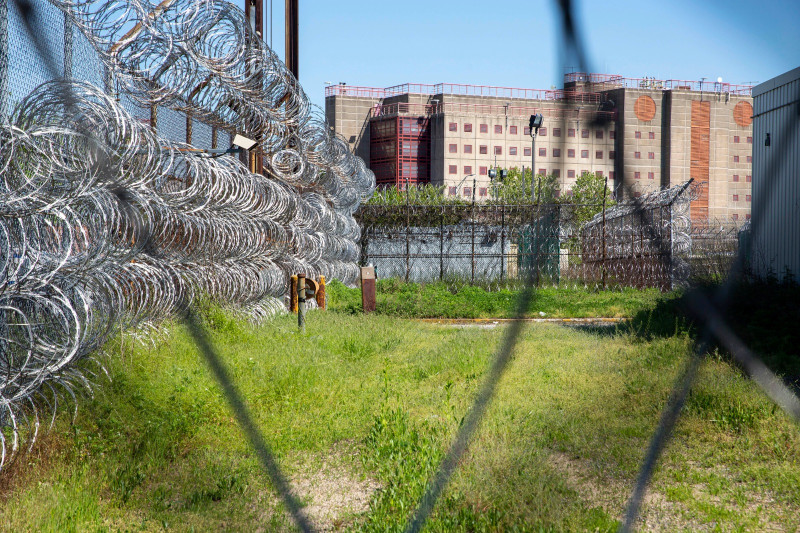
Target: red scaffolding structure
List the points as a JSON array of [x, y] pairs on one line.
[[400, 151]]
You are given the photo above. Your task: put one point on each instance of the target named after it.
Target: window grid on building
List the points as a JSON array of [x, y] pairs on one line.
[[498, 150], [527, 151], [467, 128], [454, 126], [556, 152], [584, 154], [484, 128], [453, 148], [512, 130], [598, 154], [542, 152], [498, 128], [556, 132], [467, 148], [483, 149], [512, 150], [570, 152], [483, 171], [453, 169], [467, 169]]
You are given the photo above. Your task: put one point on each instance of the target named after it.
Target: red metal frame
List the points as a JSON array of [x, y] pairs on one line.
[[380, 110], [400, 150]]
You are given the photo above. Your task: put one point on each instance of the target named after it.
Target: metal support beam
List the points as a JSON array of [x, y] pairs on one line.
[[292, 26]]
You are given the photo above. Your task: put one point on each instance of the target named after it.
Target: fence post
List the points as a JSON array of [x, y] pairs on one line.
[[408, 237], [603, 240], [441, 246], [301, 302], [503, 240], [4, 61], [472, 256], [67, 47]]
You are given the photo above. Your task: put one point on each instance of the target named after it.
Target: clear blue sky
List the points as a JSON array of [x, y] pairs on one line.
[[516, 43]]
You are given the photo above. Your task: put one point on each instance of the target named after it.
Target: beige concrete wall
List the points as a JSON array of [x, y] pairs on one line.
[[670, 145], [722, 149], [349, 116]]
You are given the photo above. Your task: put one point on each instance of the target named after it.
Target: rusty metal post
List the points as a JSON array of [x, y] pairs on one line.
[[301, 302], [293, 295], [189, 128], [320, 294], [292, 27], [368, 289], [213, 138]]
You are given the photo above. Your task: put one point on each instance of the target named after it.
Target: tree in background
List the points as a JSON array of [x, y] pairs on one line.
[[587, 193], [587, 196], [417, 195], [516, 188]]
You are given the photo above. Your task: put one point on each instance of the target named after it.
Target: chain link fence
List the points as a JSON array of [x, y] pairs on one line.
[[499, 246]]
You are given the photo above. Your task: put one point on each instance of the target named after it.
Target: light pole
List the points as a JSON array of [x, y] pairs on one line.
[[473, 183], [533, 125]]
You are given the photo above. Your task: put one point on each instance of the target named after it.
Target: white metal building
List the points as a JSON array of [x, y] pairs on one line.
[[776, 177]]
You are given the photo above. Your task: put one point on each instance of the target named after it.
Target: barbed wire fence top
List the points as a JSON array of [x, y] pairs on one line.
[[112, 216]]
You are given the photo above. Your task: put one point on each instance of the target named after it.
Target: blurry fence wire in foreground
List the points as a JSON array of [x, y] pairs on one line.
[[108, 218], [710, 312]]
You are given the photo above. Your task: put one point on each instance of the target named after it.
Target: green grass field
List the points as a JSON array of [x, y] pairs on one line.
[[436, 300], [359, 411]]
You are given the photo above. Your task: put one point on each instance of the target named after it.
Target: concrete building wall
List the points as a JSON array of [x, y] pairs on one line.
[[659, 137], [349, 116]]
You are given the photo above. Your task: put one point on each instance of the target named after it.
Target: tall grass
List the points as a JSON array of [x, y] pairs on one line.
[[380, 398]]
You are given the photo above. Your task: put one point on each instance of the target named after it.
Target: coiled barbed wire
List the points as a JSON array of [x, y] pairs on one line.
[[105, 226], [201, 57]]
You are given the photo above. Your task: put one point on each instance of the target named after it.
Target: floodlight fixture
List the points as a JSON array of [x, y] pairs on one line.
[[243, 142], [535, 122]]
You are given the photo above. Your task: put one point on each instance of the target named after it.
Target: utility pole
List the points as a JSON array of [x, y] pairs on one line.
[[292, 30]]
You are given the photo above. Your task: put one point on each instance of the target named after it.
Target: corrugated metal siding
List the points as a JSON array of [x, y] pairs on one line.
[[776, 177]]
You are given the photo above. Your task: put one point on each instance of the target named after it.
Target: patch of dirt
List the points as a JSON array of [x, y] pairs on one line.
[[334, 495], [657, 513], [330, 486]]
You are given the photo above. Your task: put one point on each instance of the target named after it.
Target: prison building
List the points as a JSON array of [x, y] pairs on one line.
[[649, 134]]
